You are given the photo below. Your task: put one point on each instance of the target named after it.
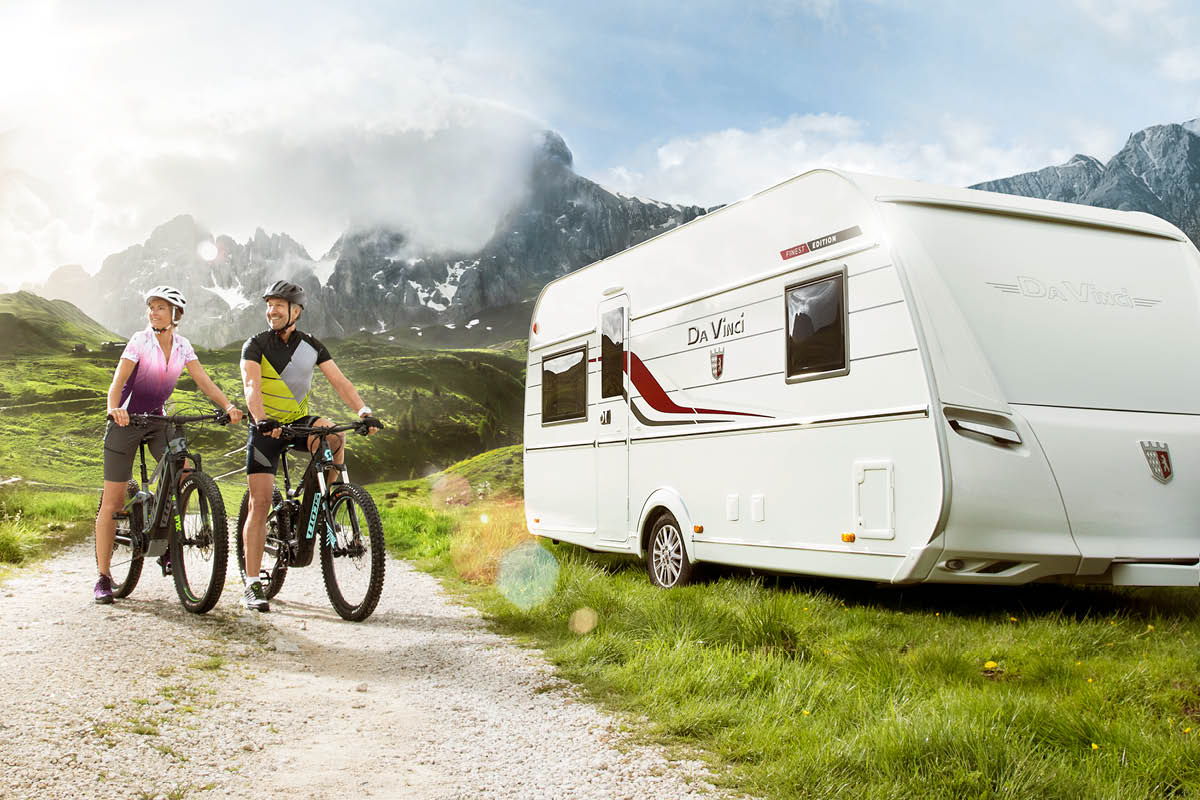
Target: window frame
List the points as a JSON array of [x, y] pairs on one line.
[[579, 348], [842, 273]]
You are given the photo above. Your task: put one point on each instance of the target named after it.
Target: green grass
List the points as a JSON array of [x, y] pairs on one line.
[[35, 523], [832, 689]]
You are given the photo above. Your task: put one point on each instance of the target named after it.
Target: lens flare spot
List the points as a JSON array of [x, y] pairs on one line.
[[528, 575], [206, 250], [483, 518], [583, 620]]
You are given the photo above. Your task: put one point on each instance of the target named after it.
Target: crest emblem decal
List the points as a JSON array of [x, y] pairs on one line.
[[1158, 457], [716, 358]]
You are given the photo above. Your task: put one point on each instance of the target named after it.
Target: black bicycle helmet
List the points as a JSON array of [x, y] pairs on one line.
[[286, 290]]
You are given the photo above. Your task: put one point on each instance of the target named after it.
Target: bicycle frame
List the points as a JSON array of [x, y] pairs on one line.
[[154, 533], [314, 490]]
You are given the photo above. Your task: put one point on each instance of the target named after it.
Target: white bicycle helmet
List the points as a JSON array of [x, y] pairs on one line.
[[171, 295]]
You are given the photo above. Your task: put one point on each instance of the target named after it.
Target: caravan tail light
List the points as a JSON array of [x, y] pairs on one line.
[[535, 327], [536, 520], [847, 537], [697, 529]]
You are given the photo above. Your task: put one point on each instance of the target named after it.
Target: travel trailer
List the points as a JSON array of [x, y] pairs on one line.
[[861, 377]]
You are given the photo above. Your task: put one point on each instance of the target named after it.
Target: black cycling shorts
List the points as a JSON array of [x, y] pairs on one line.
[[262, 451], [121, 446]]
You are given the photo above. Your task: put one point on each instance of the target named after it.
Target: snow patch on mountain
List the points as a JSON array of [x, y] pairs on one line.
[[232, 295]]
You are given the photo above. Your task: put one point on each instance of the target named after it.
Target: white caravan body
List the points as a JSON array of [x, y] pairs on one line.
[[862, 377]]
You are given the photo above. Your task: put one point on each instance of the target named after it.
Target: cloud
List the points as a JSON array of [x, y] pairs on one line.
[[126, 118], [1125, 18], [1181, 65], [724, 166]]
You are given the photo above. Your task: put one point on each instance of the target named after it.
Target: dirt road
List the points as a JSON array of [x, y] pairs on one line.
[[141, 699]]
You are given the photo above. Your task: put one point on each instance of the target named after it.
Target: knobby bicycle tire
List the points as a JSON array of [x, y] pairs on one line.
[[276, 572], [127, 570], [348, 496], [199, 550]]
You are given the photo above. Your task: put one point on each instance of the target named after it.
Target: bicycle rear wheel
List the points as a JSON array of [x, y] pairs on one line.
[[274, 565], [200, 544], [352, 555], [125, 569]]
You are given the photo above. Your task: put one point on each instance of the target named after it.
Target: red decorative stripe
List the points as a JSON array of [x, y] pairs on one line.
[[656, 396]]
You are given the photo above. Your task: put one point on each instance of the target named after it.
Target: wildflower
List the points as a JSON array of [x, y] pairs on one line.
[[805, 712], [1095, 746], [1012, 619], [1089, 680], [1077, 663], [1149, 627], [990, 665], [1187, 730]]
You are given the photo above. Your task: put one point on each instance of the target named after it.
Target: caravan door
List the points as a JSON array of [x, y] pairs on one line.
[[612, 423]]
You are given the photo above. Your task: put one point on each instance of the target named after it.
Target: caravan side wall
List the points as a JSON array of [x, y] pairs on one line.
[[774, 470]]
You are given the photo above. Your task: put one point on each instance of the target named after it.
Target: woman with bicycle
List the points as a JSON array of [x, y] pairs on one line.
[[144, 379]]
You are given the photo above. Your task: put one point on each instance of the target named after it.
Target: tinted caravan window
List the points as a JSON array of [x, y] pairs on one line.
[[816, 328], [564, 386], [612, 352]]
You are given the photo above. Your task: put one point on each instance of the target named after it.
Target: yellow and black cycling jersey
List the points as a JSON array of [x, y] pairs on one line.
[[287, 371]]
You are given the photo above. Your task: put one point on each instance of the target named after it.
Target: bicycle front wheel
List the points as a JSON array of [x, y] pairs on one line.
[[352, 554], [199, 544]]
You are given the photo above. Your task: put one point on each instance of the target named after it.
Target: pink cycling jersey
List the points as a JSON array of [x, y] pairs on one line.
[[153, 378]]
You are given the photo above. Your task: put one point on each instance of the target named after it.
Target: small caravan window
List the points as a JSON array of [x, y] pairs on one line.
[[612, 352], [564, 386], [816, 328]]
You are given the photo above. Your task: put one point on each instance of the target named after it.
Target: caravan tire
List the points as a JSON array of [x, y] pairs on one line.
[[666, 555]]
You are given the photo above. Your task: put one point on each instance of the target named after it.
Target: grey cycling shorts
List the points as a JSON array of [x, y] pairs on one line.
[[121, 447]]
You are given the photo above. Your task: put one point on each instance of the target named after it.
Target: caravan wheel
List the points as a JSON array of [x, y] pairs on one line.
[[666, 557]]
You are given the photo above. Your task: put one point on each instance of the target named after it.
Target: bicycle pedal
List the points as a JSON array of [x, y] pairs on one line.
[[165, 563]]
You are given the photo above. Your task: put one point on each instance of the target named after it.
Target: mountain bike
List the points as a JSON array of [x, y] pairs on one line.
[[182, 522], [340, 518]]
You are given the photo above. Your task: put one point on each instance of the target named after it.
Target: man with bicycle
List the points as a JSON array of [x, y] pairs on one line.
[[277, 372]]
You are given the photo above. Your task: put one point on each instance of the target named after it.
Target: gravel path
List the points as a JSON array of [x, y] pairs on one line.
[[142, 700]]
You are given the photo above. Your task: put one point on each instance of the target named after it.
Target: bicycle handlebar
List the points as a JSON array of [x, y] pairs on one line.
[[297, 431], [219, 417]]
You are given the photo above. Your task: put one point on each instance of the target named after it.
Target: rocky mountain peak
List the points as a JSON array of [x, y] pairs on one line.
[[551, 147], [557, 222], [1157, 172], [180, 233]]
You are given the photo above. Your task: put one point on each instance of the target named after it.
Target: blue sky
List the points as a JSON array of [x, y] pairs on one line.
[[305, 116]]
